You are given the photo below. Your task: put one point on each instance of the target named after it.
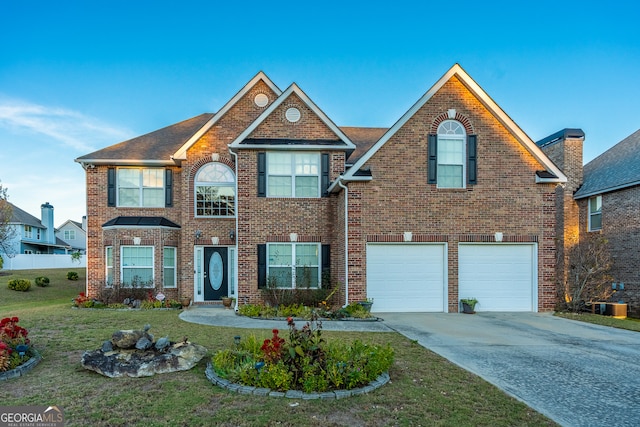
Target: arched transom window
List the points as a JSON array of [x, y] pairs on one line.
[[215, 190], [451, 155]]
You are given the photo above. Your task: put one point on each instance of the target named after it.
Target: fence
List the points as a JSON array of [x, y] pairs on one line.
[[35, 261]]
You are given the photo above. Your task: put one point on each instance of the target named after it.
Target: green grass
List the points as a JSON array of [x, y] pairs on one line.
[[425, 389], [628, 323]]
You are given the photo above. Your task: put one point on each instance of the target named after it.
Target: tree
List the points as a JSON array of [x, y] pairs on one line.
[[588, 279], [7, 232]]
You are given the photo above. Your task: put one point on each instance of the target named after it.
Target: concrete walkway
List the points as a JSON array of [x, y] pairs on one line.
[[575, 373]]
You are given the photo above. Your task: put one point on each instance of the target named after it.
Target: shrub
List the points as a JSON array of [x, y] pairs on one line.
[[42, 281], [22, 285], [72, 275], [11, 336]]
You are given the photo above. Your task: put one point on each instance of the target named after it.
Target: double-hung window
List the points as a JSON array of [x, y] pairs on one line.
[[169, 267], [136, 263], [215, 190], [108, 254], [293, 174], [69, 235], [28, 232], [451, 155], [141, 187], [595, 213], [293, 265]]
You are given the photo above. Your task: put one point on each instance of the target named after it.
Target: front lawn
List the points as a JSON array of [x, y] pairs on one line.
[[425, 389]]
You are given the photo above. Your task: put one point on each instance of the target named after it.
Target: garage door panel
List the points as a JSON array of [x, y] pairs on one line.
[[402, 277], [500, 276]]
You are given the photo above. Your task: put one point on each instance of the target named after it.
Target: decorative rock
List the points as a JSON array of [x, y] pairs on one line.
[[127, 338], [144, 344], [107, 346], [136, 303], [162, 343]]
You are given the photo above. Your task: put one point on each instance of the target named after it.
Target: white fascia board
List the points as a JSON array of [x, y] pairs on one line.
[[335, 184], [607, 190], [236, 144], [558, 180], [486, 100], [181, 154]]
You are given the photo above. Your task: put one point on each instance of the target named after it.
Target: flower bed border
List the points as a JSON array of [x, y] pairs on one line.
[[322, 319], [24, 368], [293, 394]]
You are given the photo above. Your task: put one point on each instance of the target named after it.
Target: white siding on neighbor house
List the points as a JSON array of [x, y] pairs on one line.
[[407, 277], [33, 261], [502, 276]]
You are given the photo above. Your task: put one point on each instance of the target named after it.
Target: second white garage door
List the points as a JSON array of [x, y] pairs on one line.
[[502, 277], [407, 277]]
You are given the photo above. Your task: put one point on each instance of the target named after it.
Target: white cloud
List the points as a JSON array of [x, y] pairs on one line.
[[71, 128]]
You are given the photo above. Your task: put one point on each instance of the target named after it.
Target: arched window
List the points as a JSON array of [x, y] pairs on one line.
[[215, 190], [452, 155]]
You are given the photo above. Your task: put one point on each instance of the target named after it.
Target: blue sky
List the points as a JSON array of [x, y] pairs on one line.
[[76, 76]]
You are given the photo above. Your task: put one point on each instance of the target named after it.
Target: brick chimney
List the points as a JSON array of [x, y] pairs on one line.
[[564, 148]]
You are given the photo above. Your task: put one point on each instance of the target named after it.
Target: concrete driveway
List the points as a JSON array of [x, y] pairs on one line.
[[575, 373]]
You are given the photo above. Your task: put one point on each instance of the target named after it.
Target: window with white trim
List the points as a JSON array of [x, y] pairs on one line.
[[595, 213], [293, 265], [136, 266], [108, 256], [293, 174], [28, 231], [169, 267], [451, 155], [69, 235], [215, 190], [141, 187]]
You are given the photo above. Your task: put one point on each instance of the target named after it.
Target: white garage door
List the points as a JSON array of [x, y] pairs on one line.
[[406, 277], [501, 277]]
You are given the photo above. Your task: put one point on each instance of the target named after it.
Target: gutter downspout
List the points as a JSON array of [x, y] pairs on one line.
[[346, 240], [235, 267]]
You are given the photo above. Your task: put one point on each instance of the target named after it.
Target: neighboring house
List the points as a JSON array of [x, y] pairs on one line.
[[609, 201], [74, 233], [33, 235], [453, 201]]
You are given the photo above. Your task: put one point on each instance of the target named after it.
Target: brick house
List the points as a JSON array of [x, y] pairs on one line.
[[453, 201]]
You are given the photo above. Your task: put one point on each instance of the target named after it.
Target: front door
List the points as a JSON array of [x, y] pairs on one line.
[[216, 281]]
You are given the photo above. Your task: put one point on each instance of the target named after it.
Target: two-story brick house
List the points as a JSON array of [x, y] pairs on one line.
[[454, 200]]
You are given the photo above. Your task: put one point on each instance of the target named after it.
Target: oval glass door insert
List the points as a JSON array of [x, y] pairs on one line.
[[216, 271]]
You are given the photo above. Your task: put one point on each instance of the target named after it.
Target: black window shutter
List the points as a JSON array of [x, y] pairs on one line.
[[262, 266], [432, 167], [472, 160], [262, 174], [168, 188], [111, 187], [324, 181], [326, 258]]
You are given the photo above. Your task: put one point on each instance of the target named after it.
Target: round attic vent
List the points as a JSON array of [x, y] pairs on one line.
[[292, 114], [261, 100]]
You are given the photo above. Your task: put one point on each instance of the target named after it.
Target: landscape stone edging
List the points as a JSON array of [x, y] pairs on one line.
[[24, 368], [322, 319], [294, 394]]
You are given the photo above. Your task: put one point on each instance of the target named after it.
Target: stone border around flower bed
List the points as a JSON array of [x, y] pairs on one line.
[[24, 368], [322, 319], [294, 394]]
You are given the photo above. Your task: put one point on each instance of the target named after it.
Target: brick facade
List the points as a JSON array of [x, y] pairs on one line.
[[397, 199]]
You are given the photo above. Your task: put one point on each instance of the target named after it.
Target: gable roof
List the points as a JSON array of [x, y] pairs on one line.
[[18, 216], [181, 153], [616, 168], [556, 174], [363, 139], [342, 141], [155, 148]]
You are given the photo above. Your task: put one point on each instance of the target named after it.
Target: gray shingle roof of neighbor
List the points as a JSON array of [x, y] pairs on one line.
[[616, 168], [21, 217], [158, 145], [363, 139]]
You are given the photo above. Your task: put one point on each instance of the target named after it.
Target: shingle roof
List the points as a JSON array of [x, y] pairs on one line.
[[363, 138], [158, 145], [140, 221], [616, 168], [19, 216]]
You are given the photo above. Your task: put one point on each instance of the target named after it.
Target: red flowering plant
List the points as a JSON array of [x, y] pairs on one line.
[[12, 334], [272, 348]]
